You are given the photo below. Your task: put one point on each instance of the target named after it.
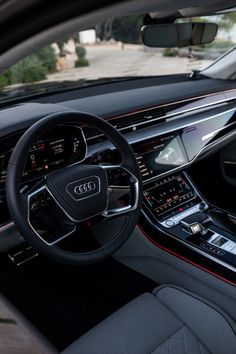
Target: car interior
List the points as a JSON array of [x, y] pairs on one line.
[[118, 177]]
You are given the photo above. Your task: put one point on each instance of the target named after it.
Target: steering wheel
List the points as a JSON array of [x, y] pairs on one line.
[[73, 193]]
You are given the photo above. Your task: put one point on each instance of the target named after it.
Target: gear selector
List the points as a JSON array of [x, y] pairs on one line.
[[196, 223]]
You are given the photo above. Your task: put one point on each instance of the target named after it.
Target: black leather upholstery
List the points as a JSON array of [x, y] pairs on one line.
[[168, 321]]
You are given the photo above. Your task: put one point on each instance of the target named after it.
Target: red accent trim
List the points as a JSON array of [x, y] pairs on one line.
[[183, 258], [193, 98]]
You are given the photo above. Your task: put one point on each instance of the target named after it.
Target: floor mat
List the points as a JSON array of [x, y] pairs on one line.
[[65, 302]]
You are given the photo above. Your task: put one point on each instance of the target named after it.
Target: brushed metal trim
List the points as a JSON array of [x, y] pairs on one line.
[[6, 226], [229, 162], [128, 208]]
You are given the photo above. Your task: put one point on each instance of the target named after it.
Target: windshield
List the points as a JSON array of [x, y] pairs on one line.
[[111, 51]]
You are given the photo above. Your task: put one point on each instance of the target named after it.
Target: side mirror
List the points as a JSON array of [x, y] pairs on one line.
[[178, 34]]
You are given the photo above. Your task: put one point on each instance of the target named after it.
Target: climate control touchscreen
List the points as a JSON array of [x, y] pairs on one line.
[[169, 196]]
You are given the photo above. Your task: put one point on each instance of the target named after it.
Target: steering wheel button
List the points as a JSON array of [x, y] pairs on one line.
[[33, 206]]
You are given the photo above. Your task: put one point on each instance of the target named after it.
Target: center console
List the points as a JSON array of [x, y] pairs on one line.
[[173, 198], [174, 206]]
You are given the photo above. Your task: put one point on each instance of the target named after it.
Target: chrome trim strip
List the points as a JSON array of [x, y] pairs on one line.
[[7, 226], [211, 135], [229, 162]]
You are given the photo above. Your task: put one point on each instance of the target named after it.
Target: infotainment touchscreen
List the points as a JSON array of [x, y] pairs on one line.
[[160, 155]]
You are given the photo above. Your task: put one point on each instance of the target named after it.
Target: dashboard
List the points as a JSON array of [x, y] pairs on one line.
[[158, 153], [165, 140], [168, 146]]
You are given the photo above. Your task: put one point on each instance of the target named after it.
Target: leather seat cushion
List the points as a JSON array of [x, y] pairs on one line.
[[170, 320]]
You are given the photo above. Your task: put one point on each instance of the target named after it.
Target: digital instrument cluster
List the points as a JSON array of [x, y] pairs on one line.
[[61, 146]]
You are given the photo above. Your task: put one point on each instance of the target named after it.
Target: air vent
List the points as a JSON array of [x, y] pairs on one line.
[[127, 123], [136, 119]]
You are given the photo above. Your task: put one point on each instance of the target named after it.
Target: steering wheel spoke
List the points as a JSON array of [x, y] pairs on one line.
[[117, 192]]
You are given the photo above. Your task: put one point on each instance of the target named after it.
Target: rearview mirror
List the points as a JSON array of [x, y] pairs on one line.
[[178, 34]]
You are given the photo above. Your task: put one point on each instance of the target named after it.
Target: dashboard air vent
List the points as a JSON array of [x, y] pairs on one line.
[[127, 123], [136, 119]]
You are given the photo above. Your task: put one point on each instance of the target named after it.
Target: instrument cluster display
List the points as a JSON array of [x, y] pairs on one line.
[[61, 146]]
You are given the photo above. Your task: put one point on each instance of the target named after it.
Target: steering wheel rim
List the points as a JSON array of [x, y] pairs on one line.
[[18, 203]]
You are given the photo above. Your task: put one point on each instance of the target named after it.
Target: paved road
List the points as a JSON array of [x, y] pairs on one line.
[[111, 60]]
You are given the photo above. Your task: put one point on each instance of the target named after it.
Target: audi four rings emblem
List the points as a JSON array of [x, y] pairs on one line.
[[84, 187]]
